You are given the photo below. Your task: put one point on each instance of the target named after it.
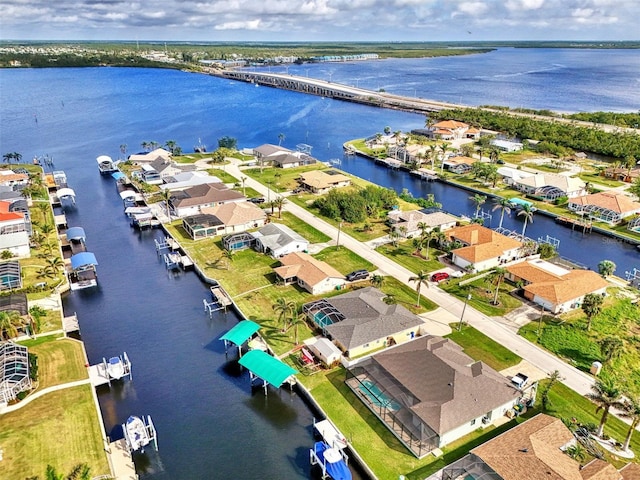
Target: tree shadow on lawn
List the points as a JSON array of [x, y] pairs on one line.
[[336, 379]]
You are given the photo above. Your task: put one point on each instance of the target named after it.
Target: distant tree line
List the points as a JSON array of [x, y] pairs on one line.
[[86, 60], [574, 137]]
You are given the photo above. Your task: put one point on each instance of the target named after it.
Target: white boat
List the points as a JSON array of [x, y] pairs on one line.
[[106, 165], [115, 368], [136, 434]]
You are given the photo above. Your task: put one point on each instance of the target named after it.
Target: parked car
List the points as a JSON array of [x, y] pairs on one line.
[[257, 200], [439, 276], [358, 275]]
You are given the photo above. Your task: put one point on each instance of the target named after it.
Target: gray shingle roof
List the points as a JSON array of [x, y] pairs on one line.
[[277, 235]]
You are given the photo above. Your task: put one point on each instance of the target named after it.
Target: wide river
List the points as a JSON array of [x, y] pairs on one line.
[[209, 423]]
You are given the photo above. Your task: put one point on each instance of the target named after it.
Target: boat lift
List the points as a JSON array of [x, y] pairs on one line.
[[151, 433], [332, 437], [99, 375]]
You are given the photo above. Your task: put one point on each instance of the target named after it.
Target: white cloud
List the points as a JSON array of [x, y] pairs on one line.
[[245, 25]]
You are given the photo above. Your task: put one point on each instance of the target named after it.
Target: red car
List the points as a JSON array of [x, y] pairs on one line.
[[439, 276]]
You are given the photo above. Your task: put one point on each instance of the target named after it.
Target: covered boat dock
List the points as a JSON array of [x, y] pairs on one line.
[[240, 334], [269, 369]]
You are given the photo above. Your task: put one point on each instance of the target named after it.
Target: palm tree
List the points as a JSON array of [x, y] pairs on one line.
[[479, 201], [606, 268], [7, 157], [279, 203], [228, 254], [244, 190], [611, 347], [54, 262], [497, 276], [166, 197], [281, 138], [526, 211], [605, 394], [297, 319], [577, 452], [422, 278], [631, 410], [591, 306], [284, 308], [423, 226], [377, 280], [433, 153], [10, 322], [504, 204]]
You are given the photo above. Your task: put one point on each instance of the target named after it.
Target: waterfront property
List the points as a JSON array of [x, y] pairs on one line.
[[15, 228], [411, 222], [511, 175], [82, 271], [459, 165], [321, 181], [314, 276], [550, 186], [282, 157], [360, 321], [14, 371], [182, 180], [192, 200], [556, 289], [263, 366], [13, 180], [106, 165], [482, 248], [429, 393], [240, 334], [609, 207], [224, 219], [10, 275], [452, 130], [277, 240], [148, 157], [537, 448], [238, 241]]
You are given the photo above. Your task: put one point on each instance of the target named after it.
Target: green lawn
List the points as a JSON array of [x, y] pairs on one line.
[[482, 294], [480, 347], [281, 179], [402, 254], [593, 177], [407, 296], [344, 260], [59, 360], [307, 231], [223, 175], [59, 429], [570, 340]]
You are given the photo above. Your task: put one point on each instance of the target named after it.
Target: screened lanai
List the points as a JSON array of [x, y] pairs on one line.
[[634, 225], [393, 404], [10, 277], [238, 241], [14, 371], [549, 192], [600, 213], [322, 313]]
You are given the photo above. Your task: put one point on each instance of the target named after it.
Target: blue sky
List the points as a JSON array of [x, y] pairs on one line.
[[319, 20]]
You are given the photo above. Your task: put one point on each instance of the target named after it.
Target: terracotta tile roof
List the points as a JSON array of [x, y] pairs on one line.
[[528, 272], [307, 268], [236, 213], [449, 388], [450, 124], [460, 161], [531, 451], [631, 471], [573, 285], [13, 177], [7, 216], [600, 470], [563, 182], [482, 243], [616, 202]]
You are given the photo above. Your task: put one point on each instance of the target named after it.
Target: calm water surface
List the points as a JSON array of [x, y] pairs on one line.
[[209, 423]]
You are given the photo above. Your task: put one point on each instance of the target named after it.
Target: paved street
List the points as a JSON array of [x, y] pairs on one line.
[[500, 331]]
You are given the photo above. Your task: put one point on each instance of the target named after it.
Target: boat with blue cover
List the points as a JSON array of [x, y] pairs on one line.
[[332, 461]]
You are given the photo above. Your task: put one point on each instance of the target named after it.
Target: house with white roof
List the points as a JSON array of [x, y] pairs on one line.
[[550, 186], [511, 175], [183, 180], [321, 181], [148, 157], [410, 222], [507, 145], [278, 240]]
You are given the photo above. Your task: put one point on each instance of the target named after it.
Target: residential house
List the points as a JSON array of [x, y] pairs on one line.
[[507, 146], [407, 154], [314, 276], [15, 229], [611, 207], [282, 157], [148, 157], [238, 216], [408, 222], [550, 186], [10, 275], [321, 181], [360, 321], [482, 247], [14, 371], [182, 180], [12, 179], [535, 449], [553, 287], [459, 164], [449, 130], [277, 240], [429, 393], [166, 168], [511, 175], [622, 174], [191, 200]]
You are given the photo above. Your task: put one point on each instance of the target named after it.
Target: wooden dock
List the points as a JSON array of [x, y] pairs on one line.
[[70, 324], [574, 223], [221, 296]]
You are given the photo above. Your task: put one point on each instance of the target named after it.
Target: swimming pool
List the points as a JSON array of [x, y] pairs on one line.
[[376, 396]]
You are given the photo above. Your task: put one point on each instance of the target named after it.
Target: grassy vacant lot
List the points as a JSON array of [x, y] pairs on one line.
[[480, 347], [307, 231], [403, 255], [60, 429], [344, 260], [593, 177], [569, 339], [60, 360], [223, 175], [281, 179], [482, 293]]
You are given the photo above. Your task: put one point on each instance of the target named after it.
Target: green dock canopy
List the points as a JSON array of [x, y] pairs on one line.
[[268, 368], [241, 332]]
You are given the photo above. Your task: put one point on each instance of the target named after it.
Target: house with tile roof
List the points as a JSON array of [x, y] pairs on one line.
[[429, 393], [192, 200], [360, 321], [224, 219], [277, 240], [459, 164], [313, 275], [15, 230], [148, 157], [321, 181], [553, 287], [550, 186], [535, 449], [449, 130], [408, 221], [9, 178], [482, 247], [610, 207], [281, 157]]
